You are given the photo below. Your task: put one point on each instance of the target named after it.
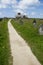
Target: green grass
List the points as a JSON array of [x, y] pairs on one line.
[[31, 35], [5, 54]]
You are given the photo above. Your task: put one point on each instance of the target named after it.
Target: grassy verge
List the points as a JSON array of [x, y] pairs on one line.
[[5, 54], [31, 35]]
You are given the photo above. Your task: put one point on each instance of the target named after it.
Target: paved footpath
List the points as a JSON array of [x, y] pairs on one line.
[[21, 52]]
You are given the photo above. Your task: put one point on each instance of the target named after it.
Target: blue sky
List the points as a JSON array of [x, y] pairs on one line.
[[31, 8]]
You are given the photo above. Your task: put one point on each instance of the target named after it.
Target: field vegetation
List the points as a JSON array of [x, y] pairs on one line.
[[5, 53], [31, 35]]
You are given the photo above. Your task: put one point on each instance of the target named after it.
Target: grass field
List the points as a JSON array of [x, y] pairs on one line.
[[31, 35], [5, 54]]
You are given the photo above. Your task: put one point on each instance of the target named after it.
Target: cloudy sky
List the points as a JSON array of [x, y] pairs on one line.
[[31, 8]]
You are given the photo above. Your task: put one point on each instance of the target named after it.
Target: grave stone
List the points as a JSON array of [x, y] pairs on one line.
[[21, 22], [34, 23], [41, 29]]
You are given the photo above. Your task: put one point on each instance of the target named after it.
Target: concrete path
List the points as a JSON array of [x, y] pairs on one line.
[[21, 52]]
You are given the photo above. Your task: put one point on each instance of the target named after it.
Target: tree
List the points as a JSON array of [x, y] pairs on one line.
[[34, 21], [19, 13], [24, 16], [0, 19]]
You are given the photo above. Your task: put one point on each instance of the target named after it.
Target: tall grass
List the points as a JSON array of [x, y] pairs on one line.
[[5, 54], [31, 35]]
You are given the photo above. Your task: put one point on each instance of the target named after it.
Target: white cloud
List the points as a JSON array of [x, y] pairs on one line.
[[3, 6], [20, 10], [0, 13], [22, 4], [41, 14], [0, 6], [33, 13], [26, 3], [5, 1], [8, 1], [14, 2]]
